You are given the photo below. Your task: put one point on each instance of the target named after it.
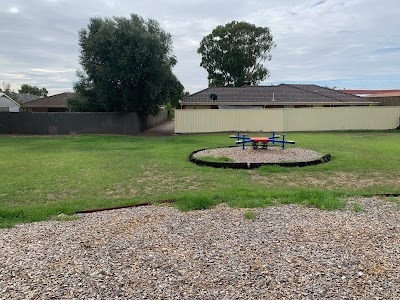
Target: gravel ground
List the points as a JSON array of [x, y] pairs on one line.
[[270, 155], [287, 252], [165, 128]]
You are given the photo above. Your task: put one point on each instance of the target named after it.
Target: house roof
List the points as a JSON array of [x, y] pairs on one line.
[[23, 98], [386, 94], [6, 101], [368, 92], [56, 101], [283, 93]]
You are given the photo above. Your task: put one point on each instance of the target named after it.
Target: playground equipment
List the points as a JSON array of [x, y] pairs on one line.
[[260, 141]]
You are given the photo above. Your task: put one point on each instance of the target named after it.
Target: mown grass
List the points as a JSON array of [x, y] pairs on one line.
[[41, 177]]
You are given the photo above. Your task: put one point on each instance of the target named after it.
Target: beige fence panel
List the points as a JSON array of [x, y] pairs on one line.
[[216, 120], [341, 118], [287, 119]]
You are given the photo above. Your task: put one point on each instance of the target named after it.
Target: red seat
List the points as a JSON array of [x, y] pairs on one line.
[[260, 139]]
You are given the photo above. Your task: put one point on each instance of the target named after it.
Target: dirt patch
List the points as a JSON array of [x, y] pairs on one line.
[[329, 180], [166, 128]]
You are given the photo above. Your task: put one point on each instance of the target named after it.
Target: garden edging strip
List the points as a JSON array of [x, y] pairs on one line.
[[233, 165]]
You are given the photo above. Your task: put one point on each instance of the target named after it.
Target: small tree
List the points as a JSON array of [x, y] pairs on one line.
[[33, 90], [7, 90], [175, 91], [232, 54], [127, 66], [175, 100]]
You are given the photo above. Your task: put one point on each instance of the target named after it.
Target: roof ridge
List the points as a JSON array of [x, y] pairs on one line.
[[213, 87], [262, 86], [195, 93], [58, 94], [296, 87]]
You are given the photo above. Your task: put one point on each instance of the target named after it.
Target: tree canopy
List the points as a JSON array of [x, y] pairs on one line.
[[232, 54], [127, 66], [34, 90]]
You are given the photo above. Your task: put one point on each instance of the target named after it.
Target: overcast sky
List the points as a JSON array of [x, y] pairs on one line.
[[337, 43]]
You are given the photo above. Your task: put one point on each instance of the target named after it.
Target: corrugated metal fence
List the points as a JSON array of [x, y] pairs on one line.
[[287, 119]]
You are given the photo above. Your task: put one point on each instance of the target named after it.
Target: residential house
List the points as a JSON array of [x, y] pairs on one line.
[[269, 97], [56, 103], [384, 97], [8, 104]]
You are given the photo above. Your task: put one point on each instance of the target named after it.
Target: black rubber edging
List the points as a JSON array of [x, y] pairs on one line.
[[386, 195], [232, 165], [87, 211]]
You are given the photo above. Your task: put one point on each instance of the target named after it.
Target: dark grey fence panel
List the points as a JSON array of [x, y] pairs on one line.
[[76, 122]]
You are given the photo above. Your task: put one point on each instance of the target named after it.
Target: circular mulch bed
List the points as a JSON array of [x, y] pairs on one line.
[[250, 158]]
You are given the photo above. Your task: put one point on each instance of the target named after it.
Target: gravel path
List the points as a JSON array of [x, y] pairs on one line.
[[165, 128], [287, 252], [270, 155]]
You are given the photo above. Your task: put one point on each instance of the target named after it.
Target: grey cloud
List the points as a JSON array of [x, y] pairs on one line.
[[316, 40]]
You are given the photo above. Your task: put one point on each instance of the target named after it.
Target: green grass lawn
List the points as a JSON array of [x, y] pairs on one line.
[[41, 177]]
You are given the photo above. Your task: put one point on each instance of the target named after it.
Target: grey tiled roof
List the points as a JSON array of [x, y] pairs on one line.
[[334, 94], [23, 98], [304, 93]]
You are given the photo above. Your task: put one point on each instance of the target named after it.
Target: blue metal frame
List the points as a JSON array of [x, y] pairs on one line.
[[242, 139]]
